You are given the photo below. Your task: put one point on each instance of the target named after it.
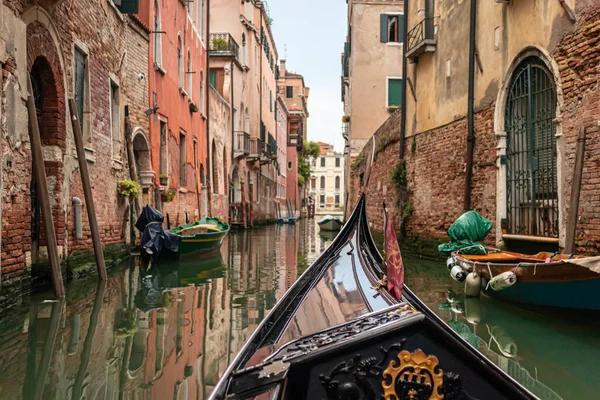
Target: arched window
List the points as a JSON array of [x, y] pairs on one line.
[[215, 180], [244, 61], [289, 165], [202, 177], [313, 182], [189, 73], [337, 182], [246, 121], [322, 182], [531, 172], [225, 171], [157, 35], [180, 61], [202, 92]]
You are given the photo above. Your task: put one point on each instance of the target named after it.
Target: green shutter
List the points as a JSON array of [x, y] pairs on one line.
[[383, 18], [401, 28], [394, 92], [212, 78], [129, 6]]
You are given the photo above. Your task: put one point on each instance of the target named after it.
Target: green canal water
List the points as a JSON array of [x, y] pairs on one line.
[[170, 332]]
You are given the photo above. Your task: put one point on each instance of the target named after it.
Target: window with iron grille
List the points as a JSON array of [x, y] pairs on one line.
[[115, 119], [531, 170]]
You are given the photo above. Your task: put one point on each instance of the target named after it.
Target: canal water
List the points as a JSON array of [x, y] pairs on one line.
[[169, 332]]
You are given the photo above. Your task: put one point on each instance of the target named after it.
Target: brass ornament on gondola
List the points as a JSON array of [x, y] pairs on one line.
[[415, 376]]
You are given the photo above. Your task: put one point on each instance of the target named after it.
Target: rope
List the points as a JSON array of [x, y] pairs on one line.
[[491, 276], [478, 245]]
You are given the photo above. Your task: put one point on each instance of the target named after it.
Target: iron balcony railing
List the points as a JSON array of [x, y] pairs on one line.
[[267, 150], [242, 143], [224, 44], [255, 147], [420, 32]]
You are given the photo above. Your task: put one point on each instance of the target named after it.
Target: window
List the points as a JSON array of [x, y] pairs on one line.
[[322, 200], [244, 56], [337, 182], [115, 120], [127, 6], [322, 182], [195, 142], [182, 158], [82, 93], [213, 159], [163, 148], [337, 200], [313, 183], [203, 17], [189, 73], [289, 92], [157, 36], [322, 161], [337, 162], [289, 165], [180, 63], [202, 92], [270, 101], [216, 78], [314, 163], [394, 92], [392, 28]]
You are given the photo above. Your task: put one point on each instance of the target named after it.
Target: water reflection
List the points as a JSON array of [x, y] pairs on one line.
[[170, 331]]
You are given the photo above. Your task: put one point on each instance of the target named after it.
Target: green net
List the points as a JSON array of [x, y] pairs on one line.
[[465, 233]]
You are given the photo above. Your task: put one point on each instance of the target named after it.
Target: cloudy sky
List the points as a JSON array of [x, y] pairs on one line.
[[313, 32]]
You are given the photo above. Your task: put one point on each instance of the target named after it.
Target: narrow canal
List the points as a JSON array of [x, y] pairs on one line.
[[171, 331]]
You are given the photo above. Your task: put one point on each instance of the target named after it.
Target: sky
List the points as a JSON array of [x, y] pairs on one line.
[[314, 32]]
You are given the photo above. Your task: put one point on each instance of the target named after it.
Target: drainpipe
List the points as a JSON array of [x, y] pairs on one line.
[[404, 68], [260, 92], [232, 131], [209, 168], [470, 122]]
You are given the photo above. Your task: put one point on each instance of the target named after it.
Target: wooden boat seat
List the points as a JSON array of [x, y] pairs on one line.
[[198, 229]]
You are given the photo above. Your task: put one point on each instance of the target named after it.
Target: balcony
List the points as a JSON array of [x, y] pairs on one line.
[[421, 39], [256, 146], [223, 45], [266, 154], [241, 144]]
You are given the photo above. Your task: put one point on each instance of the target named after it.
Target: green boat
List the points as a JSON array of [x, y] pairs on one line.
[[204, 236]]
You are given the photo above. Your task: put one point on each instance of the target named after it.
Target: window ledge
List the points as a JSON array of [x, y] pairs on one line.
[[117, 164], [160, 69], [203, 115], [90, 154], [182, 190], [396, 44], [182, 91]]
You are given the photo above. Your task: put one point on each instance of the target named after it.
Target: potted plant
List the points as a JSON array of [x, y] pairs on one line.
[[128, 188], [219, 44], [168, 195], [164, 179]]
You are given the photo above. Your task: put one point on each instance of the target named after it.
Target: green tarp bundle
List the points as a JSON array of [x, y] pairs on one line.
[[466, 233]]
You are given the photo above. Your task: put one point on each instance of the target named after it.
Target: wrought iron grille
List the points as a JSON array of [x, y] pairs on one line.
[[532, 194]]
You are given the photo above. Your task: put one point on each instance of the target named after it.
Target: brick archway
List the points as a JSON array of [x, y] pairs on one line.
[[47, 78]]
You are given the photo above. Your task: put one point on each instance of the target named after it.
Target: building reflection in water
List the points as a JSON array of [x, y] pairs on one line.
[[168, 332]]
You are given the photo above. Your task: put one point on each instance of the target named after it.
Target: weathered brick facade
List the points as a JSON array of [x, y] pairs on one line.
[[436, 158], [42, 43]]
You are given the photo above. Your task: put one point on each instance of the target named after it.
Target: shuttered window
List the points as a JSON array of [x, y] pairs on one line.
[[394, 92], [391, 28], [212, 78], [128, 6]]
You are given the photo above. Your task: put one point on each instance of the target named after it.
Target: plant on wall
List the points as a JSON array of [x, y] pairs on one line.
[[219, 44], [128, 188], [399, 174], [163, 179], [168, 195], [309, 149]]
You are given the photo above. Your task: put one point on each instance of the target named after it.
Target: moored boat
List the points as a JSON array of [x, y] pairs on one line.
[[543, 279], [338, 333], [204, 236], [330, 224]]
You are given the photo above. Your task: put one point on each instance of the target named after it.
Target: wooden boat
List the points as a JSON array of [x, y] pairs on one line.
[[330, 224], [339, 334], [542, 279], [287, 220], [204, 236]]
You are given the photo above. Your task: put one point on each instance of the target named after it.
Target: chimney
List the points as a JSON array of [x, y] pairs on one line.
[[306, 92], [282, 71]]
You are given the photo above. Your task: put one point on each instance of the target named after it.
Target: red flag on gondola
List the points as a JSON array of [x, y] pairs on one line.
[[393, 258]]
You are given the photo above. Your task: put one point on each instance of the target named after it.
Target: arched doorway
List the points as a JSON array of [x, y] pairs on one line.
[[50, 119], [141, 155], [531, 151], [236, 188]]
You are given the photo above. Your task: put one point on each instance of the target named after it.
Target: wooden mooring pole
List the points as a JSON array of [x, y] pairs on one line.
[[87, 190], [44, 197], [575, 193]]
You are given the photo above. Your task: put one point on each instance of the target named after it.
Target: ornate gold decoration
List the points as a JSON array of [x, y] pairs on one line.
[[416, 370], [406, 309]]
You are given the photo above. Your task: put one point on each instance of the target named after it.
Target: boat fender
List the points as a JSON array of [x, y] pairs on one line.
[[450, 263], [458, 274], [472, 285], [502, 281], [473, 310]]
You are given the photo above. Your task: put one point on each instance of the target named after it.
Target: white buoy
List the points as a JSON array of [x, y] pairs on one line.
[[450, 262], [503, 281], [458, 274], [472, 285], [472, 310]]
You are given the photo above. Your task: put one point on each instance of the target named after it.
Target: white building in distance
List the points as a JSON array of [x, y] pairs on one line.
[[327, 181]]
